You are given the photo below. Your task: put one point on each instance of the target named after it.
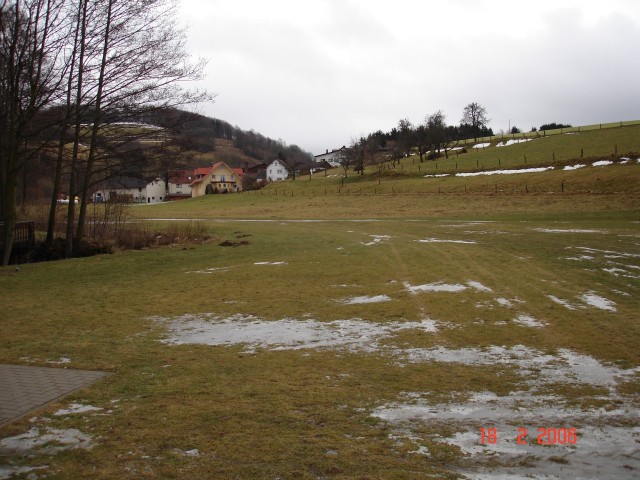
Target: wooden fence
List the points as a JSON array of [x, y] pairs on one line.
[[23, 240]]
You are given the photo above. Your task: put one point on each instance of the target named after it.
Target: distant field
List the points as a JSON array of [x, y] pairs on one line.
[[343, 348], [396, 327]]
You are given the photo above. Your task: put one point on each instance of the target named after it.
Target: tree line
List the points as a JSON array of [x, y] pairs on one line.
[[429, 139], [78, 78]]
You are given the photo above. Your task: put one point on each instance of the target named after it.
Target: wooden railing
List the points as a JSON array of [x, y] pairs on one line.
[[24, 236]]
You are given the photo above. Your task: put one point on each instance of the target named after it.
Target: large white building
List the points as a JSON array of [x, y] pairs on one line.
[[131, 190], [332, 158]]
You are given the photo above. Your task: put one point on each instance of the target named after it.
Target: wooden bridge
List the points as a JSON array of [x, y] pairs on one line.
[[23, 240]]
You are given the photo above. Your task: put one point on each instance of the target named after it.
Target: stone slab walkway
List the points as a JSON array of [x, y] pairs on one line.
[[24, 388]]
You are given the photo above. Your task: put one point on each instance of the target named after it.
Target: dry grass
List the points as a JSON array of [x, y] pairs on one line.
[[307, 413]]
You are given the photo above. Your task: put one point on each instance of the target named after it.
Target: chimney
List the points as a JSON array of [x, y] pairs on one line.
[[327, 150]]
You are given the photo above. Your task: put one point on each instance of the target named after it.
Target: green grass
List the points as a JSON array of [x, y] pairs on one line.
[[283, 413], [297, 414]]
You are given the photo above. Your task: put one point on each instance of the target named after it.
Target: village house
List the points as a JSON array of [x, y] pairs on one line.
[[219, 178], [179, 184], [277, 171], [333, 158], [131, 190]]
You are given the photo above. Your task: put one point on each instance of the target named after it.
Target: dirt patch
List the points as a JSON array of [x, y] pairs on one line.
[[229, 243]]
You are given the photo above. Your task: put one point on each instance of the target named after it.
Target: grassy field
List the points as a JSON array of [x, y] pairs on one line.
[[364, 334]]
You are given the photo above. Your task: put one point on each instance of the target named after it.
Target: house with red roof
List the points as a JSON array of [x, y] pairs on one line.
[[219, 178]]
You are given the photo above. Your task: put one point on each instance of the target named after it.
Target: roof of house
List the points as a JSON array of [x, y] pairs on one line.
[[181, 176], [203, 172]]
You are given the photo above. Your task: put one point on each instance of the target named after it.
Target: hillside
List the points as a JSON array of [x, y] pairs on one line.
[[481, 163], [203, 140]]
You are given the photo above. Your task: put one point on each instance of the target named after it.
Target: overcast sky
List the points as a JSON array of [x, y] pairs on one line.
[[318, 73]]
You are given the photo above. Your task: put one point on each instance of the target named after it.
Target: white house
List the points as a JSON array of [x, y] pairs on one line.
[[332, 158], [131, 190], [276, 171]]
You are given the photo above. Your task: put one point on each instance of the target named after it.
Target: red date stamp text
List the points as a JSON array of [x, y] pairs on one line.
[[545, 436]]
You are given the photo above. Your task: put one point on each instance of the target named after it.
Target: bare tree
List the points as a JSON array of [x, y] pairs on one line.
[[131, 61], [31, 32], [475, 115]]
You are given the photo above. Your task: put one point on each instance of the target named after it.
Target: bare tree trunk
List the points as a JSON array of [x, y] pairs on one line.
[[69, 247], [97, 118], [57, 178]]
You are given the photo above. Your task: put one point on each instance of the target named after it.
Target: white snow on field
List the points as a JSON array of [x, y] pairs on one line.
[[528, 321], [367, 299], [481, 145], [7, 471], [377, 239], [210, 271], [504, 172], [562, 302], [589, 299], [439, 175], [568, 230], [285, 334], [76, 408], [270, 263], [574, 167], [438, 240], [478, 286], [513, 141], [597, 301], [435, 287], [602, 163], [606, 437], [48, 442]]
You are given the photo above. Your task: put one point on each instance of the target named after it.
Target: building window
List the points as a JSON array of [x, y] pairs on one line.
[[178, 185]]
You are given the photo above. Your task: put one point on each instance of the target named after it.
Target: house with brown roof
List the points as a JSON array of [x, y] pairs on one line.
[[219, 178], [179, 184]]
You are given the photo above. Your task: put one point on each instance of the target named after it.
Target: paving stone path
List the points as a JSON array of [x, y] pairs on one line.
[[24, 388]]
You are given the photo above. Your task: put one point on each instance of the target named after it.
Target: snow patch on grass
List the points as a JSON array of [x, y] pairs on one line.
[[438, 240], [435, 287], [528, 321], [568, 230], [590, 298], [76, 408], [48, 442], [366, 299], [504, 172], [285, 334], [602, 163], [513, 141]]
